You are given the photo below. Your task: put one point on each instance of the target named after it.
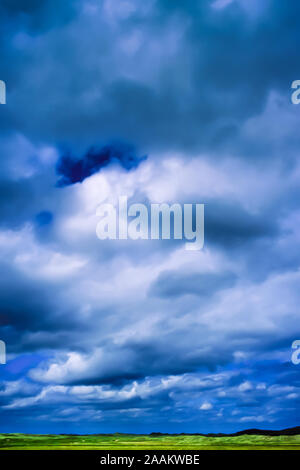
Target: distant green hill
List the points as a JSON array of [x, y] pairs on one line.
[[250, 432]]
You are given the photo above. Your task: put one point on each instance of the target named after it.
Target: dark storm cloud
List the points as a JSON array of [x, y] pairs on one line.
[[219, 71], [25, 200], [28, 305], [175, 284], [38, 15], [166, 353], [72, 170], [230, 225], [18, 202]]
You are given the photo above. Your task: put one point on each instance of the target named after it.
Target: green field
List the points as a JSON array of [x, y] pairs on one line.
[[143, 442]]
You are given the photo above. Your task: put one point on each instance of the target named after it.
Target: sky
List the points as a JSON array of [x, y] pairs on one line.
[[162, 101]]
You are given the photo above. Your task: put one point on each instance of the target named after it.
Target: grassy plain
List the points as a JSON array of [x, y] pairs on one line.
[[145, 442]]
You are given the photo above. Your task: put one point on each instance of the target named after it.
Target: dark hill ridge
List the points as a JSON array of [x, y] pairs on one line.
[[251, 432]]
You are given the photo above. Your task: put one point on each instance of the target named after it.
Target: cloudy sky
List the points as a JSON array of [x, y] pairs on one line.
[[182, 101]]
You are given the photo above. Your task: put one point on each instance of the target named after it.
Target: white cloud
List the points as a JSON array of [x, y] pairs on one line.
[[206, 406], [245, 386]]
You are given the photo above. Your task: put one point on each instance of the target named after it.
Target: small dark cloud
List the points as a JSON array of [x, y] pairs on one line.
[[73, 170], [44, 218]]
